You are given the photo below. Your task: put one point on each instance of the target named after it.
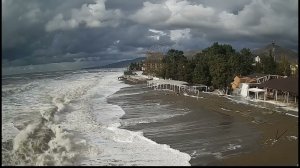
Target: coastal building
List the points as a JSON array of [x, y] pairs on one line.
[[239, 79], [256, 60], [247, 88], [256, 91], [252, 78], [248, 85], [153, 63], [281, 89]]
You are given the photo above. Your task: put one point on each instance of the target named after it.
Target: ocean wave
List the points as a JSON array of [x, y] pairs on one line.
[[35, 146], [86, 134], [7, 91], [44, 142]]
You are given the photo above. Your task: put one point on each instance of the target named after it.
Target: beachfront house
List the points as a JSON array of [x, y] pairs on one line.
[[153, 63], [241, 84], [248, 86], [239, 79], [282, 89]]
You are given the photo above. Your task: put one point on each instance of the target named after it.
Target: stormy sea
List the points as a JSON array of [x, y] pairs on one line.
[[63, 118], [89, 117]]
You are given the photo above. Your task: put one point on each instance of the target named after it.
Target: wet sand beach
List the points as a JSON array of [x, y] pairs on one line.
[[212, 129]]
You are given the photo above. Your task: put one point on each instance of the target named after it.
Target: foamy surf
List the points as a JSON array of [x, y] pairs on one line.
[[74, 125], [107, 144]]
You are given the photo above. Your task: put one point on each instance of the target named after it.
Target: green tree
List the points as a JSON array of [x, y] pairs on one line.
[[283, 67], [241, 63], [216, 65], [219, 72], [182, 69], [216, 49], [174, 65], [268, 64], [135, 66], [234, 64], [246, 61], [190, 70], [258, 67], [201, 73]]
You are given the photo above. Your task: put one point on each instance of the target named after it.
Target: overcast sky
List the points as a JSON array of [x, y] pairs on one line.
[[99, 31]]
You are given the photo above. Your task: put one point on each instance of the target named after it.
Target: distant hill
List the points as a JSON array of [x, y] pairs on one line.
[[120, 64], [123, 64], [279, 51]]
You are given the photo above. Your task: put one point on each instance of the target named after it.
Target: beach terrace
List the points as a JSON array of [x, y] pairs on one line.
[[180, 87]]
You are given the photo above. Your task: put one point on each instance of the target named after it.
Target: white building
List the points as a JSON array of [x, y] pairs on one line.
[[257, 59]]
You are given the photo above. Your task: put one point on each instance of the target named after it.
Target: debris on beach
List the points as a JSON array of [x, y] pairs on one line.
[[225, 109], [270, 142], [291, 138]]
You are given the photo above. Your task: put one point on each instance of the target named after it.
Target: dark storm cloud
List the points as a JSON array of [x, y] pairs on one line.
[[126, 5], [40, 31]]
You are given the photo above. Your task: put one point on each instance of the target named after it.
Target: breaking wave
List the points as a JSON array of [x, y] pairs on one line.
[[76, 126]]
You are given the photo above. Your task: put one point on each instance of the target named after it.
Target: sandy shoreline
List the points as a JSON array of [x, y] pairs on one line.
[[279, 141], [283, 152], [272, 125]]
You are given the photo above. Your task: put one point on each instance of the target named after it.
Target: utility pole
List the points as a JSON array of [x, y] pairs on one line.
[[273, 50]]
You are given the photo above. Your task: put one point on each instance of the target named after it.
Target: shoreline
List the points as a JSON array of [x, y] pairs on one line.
[[283, 151], [275, 150]]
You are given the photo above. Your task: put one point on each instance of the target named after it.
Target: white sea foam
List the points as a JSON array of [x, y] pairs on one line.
[[9, 130], [110, 145], [87, 129], [42, 134], [198, 97], [203, 152], [23, 135], [122, 147], [233, 146], [225, 109], [12, 89]]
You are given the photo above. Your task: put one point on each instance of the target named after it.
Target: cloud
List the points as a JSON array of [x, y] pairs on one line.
[[177, 35], [151, 13], [42, 32], [174, 13], [259, 17], [91, 15], [186, 14], [157, 32]]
